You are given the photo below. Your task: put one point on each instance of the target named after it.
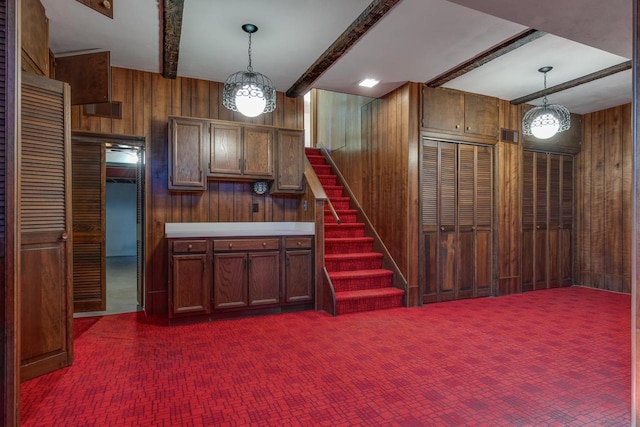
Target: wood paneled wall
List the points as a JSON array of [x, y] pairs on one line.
[[147, 101], [508, 190], [604, 201], [339, 130], [389, 159]]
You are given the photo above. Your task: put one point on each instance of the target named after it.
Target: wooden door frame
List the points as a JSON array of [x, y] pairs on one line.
[[134, 141], [635, 238], [10, 298]]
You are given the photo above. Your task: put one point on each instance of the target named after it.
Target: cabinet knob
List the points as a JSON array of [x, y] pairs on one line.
[[299, 243], [264, 244], [468, 127], [64, 236], [106, 4], [442, 228], [473, 228], [537, 227], [457, 126], [230, 245], [190, 246]]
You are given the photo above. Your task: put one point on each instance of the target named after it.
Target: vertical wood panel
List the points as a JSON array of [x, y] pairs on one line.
[[603, 197]]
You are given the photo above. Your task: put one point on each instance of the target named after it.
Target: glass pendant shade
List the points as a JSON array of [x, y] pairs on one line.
[[545, 120], [248, 92]]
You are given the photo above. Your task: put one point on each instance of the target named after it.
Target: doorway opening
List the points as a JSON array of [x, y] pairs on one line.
[[108, 224]]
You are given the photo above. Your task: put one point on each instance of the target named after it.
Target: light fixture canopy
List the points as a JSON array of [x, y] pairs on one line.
[[546, 120], [249, 92]]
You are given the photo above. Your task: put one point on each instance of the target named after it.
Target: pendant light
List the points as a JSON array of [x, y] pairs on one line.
[[249, 92], [546, 120]]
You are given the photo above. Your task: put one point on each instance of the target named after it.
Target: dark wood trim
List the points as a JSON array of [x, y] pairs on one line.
[[171, 31], [635, 238], [624, 66], [358, 28], [495, 52], [9, 317]]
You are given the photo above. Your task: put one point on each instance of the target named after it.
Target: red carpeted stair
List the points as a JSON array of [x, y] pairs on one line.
[[360, 282]]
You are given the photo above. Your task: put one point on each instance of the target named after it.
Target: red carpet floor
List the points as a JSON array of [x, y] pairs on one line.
[[559, 357]]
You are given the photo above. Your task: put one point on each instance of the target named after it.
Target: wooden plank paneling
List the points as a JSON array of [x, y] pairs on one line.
[[603, 198], [147, 101]]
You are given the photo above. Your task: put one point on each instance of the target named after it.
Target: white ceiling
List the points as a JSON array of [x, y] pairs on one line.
[[416, 41]]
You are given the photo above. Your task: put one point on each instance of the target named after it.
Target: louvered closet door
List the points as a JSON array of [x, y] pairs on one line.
[[547, 220], [457, 209], [44, 221], [89, 256]]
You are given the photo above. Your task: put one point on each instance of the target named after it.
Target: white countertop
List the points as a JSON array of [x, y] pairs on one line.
[[175, 230]]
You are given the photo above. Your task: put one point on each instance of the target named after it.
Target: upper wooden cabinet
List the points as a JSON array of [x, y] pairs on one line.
[[567, 142], [34, 38], [186, 137], [238, 151], [235, 152], [289, 162], [466, 116]]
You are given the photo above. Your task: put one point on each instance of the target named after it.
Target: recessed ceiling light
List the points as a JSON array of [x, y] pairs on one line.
[[369, 82]]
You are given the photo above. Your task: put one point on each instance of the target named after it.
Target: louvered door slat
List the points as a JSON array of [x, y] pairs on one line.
[[430, 183], [527, 188], [554, 190], [466, 184], [447, 184], [89, 268], [484, 186], [567, 191], [541, 190]]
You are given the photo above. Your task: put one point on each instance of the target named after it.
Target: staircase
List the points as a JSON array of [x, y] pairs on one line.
[[359, 281]]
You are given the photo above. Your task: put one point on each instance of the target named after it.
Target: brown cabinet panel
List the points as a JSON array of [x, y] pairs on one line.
[[289, 162], [430, 262], [246, 244], [298, 276], [225, 149], [192, 296], [230, 280], [447, 191], [442, 110], [34, 34], [447, 264], [469, 117], [465, 263], [186, 139], [264, 278], [189, 246], [258, 152], [481, 116], [298, 242], [483, 253], [429, 183]]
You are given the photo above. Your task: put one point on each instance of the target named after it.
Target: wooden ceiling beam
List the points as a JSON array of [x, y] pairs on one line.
[[479, 60], [623, 66], [171, 31], [367, 19]]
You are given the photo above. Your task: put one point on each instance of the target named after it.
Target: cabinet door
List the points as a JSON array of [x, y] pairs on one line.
[[483, 221], [466, 221], [264, 278], [258, 152], [225, 149], [230, 280], [190, 288], [430, 191], [442, 110], [298, 276], [290, 162], [566, 223], [481, 115], [541, 252], [528, 219], [186, 138]]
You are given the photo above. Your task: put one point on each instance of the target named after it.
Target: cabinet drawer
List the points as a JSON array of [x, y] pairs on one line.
[[298, 242], [189, 246], [246, 244]]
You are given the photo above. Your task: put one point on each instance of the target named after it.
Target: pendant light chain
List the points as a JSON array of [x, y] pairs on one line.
[[544, 100], [250, 68]]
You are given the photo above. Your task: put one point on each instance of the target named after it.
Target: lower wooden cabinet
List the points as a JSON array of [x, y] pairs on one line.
[[298, 269], [214, 276], [189, 282]]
